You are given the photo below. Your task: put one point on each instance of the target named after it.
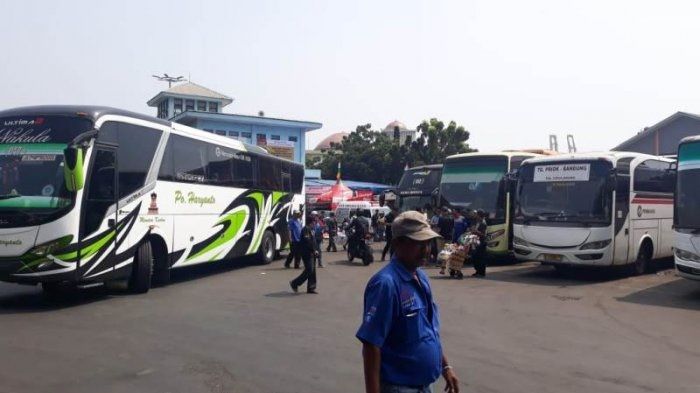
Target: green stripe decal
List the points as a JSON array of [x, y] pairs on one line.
[[236, 221]]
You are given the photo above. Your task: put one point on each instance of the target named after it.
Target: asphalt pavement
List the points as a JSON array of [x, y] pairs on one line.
[[237, 327]]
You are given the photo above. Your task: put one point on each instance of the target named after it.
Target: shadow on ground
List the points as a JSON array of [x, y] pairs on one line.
[[679, 293], [32, 299]]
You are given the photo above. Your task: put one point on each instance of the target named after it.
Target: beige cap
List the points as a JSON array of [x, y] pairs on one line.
[[413, 225]]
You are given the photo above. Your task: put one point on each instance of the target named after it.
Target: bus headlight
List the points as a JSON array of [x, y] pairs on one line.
[[595, 245], [47, 248], [687, 255], [495, 234], [520, 242]]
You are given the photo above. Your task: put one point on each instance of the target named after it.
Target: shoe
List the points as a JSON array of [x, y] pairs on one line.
[[296, 266], [294, 288], [479, 275], [320, 265], [312, 291], [286, 266], [442, 271]]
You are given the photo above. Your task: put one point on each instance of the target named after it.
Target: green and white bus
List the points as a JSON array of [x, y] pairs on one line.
[[477, 181], [95, 194]]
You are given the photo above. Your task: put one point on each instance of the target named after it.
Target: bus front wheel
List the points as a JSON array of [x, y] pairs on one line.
[[142, 269], [643, 262]]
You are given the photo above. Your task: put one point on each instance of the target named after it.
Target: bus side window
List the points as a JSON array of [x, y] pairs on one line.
[[654, 176]]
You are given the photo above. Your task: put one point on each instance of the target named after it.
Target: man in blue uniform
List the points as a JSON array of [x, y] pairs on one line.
[[400, 329], [294, 240]]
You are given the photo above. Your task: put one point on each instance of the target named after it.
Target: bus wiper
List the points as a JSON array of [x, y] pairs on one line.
[[9, 196]]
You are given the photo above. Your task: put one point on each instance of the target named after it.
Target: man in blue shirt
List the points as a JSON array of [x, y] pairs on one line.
[[400, 329], [294, 239]]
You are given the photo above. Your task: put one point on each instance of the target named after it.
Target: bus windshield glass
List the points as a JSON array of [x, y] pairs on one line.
[[31, 163], [572, 191], [687, 215], [476, 183], [419, 181]]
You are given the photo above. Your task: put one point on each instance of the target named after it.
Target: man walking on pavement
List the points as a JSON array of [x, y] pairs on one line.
[[388, 234], [318, 236], [332, 228], [308, 251], [400, 329], [294, 238]]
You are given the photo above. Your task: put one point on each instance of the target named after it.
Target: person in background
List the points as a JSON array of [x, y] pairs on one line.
[[375, 230], [461, 225], [317, 226], [400, 330], [388, 247], [479, 228], [446, 226], [294, 238], [332, 229], [307, 249], [381, 226]]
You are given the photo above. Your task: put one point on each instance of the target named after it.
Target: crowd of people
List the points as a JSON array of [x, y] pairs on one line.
[[453, 226]]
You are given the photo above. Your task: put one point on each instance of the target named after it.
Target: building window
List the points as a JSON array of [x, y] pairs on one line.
[[221, 132], [275, 137], [293, 139], [247, 137], [189, 105], [178, 106], [163, 109], [202, 106], [213, 106], [233, 134]]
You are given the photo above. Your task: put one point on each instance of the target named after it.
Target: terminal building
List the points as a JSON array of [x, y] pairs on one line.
[[199, 107], [662, 138]]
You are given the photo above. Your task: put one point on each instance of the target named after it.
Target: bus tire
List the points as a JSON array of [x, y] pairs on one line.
[[142, 269], [161, 267], [642, 263], [266, 251]]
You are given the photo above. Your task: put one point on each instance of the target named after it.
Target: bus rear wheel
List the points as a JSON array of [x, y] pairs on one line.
[[642, 264], [142, 269], [266, 252]]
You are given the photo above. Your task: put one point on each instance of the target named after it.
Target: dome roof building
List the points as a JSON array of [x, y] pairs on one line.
[[405, 135], [325, 144]]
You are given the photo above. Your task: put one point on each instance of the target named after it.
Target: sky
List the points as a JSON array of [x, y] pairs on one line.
[[510, 72]]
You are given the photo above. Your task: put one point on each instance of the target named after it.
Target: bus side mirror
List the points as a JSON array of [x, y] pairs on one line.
[[73, 168], [612, 181]]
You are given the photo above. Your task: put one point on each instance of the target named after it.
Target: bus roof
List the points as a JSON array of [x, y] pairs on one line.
[[422, 167], [687, 139], [95, 112], [607, 155], [504, 153]]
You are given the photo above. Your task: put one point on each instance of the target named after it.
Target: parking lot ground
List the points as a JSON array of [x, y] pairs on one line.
[[239, 328]]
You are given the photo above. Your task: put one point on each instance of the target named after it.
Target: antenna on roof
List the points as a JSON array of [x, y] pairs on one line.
[[572, 144], [553, 145], [170, 79]]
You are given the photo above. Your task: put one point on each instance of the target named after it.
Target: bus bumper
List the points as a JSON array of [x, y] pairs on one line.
[[687, 269], [564, 256]]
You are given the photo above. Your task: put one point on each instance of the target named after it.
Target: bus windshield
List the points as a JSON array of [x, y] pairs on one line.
[[687, 215], [31, 165], [419, 181], [564, 192], [476, 183]]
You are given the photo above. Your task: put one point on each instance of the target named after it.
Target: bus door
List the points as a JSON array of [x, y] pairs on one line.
[[99, 207], [621, 236]]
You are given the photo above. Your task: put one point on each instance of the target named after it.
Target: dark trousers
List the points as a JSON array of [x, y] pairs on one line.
[[293, 254], [319, 246], [388, 248], [309, 273], [331, 243], [480, 260], [434, 250]]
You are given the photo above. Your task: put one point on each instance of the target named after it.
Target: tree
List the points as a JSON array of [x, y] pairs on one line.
[[368, 155], [436, 142]]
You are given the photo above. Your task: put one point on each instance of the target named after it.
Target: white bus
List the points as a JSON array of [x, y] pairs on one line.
[[477, 181], [687, 209], [597, 209], [94, 194]]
